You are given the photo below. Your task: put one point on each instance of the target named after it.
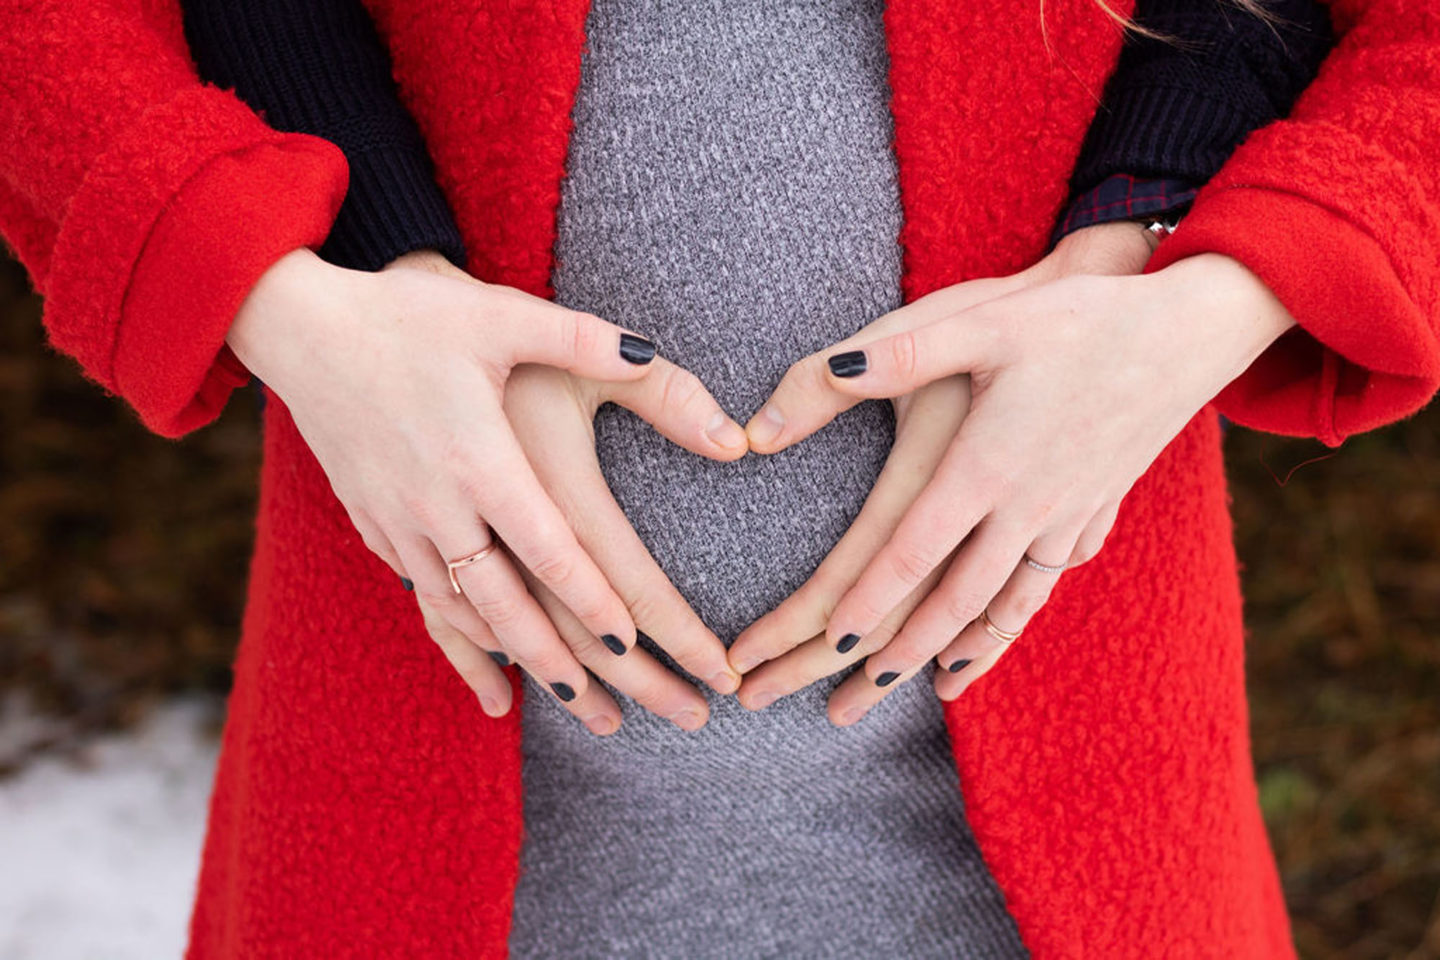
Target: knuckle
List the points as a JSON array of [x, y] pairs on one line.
[[913, 562], [584, 333], [1027, 604], [680, 389], [555, 568], [904, 354], [964, 606], [498, 611]]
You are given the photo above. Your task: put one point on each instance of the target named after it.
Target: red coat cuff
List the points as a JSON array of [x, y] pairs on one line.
[[170, 228], [1363, 354]]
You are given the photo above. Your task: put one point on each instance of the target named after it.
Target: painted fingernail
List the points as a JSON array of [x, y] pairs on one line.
[[613, 643], [563, 690], [601, 726], [886, 678], [852, 363], [725, 432], [766, 425], [635, 349], [407, 583], [847, 642], [958, 665], [499, 657], [688, 720]]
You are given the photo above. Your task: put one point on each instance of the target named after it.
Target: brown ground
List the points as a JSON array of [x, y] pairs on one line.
[[125, 557]]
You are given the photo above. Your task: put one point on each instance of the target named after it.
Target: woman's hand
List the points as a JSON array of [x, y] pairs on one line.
[[398, 382], [1079, 378]]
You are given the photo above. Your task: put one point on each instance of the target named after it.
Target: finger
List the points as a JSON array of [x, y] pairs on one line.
[[540, 537], [920, 442], [480, 673], [1092, 539], [857, 696], [817, 658], [949, 686], [637, 674], [964, 342], [609, 539], [806, 398], [519, 331], [493, 590], [952, 504], [981, 568], [675, 402]]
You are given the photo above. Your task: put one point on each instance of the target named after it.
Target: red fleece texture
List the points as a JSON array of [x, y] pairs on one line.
[[365, 806]]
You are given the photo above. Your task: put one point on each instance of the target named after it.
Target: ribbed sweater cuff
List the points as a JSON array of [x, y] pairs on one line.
[[393, 208]]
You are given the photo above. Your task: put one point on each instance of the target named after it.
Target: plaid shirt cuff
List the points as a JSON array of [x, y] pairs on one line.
[[1123, 197]]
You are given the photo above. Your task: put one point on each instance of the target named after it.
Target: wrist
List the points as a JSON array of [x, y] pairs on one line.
[[1230, 300], [268, 326]]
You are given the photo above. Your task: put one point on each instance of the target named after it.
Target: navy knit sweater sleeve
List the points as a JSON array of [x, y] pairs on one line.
[[1171, 111], [319, 67], [1177, 110]]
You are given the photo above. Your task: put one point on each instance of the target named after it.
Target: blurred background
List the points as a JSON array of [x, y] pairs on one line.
[[123, 564]]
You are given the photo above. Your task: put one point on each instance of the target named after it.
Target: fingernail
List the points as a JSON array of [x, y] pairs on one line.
[[635, 349], [724, 682], [601, 726], [849, 716], [563, 690], [847, 642], [958, 665], [762, 700], [766, 425], [688, 720], [613, 643], [490, 706], [724, 431], [849, 364], [746, 664], [407, 583], [886, 678], [499, 657]]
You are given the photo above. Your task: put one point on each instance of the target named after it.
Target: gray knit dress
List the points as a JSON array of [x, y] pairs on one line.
[[731, 192]]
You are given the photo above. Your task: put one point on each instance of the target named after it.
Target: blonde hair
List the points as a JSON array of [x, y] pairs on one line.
[[1255, 8]]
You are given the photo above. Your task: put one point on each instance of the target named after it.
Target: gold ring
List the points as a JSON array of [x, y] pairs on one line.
[[1004, 636], [452, 565]]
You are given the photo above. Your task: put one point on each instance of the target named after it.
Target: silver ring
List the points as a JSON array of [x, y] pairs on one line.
[[1045, 568]]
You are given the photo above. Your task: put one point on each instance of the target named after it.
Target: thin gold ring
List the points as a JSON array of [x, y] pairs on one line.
[[453, 565], [1004, 636]]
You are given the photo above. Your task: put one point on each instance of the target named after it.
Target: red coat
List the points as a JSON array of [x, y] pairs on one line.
[[365, 807]]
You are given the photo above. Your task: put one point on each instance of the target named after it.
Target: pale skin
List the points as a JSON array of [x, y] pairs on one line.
[[442, 409], [1063, 384], [500, 437]]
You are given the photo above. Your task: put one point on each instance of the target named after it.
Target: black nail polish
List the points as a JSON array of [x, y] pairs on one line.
[[563, 690], [886, 678], [636, 349], [407, 583], [613, 643], [499, 658], [849, 364], [847, 642], [958, 665]]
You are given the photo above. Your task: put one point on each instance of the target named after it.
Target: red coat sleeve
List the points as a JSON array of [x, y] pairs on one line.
[[1335, 208], [145, 204]]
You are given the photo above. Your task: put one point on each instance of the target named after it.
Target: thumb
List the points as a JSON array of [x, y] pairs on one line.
[[676, 403], [906, 361]]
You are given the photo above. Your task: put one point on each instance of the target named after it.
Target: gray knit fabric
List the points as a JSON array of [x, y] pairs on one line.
[[731, 191]]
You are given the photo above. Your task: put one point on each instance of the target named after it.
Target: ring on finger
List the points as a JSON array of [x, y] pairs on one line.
[[1006, 637], [453, 565], [1044, 567]]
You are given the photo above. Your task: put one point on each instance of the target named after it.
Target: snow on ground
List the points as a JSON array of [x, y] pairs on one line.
[[98, 857]]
